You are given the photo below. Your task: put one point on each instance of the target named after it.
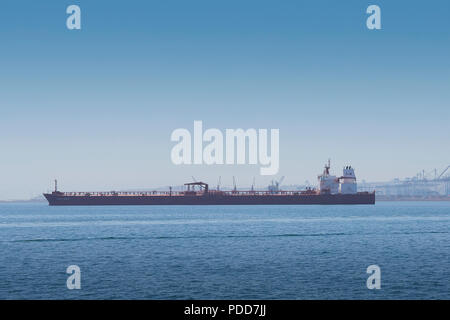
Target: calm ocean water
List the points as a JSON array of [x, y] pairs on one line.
[[235, 252]]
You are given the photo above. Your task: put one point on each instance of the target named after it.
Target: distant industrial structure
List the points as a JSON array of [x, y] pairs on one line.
[[424, 185]]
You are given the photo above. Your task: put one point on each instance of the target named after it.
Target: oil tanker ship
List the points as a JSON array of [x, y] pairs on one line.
[[332, 190]]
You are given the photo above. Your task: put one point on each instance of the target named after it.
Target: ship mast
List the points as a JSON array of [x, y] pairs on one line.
[[327, 168]]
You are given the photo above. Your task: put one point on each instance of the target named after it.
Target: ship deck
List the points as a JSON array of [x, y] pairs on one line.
[[184, 194]]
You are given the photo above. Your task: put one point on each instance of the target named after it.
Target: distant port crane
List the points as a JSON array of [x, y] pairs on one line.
[[423, 184]]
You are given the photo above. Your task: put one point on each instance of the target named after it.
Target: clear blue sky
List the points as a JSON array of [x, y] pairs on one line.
[[95, 108]]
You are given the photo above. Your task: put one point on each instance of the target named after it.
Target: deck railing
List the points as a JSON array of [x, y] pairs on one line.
[[182, 193]]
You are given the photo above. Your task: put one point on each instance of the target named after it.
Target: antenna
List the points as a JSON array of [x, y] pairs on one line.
[[56, 185], [234, 184], [278, 183]]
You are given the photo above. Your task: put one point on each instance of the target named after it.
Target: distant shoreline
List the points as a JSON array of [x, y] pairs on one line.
[[387, 198], [24, 201]]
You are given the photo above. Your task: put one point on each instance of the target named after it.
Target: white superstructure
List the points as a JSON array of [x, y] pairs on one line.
[[347, 183], [327, 182], [332, 185]]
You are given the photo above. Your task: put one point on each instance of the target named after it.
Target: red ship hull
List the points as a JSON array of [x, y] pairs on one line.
[[60, 199]]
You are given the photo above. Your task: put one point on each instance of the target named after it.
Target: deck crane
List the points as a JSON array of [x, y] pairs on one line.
[[218, 184], [443, 172], [275, 186]]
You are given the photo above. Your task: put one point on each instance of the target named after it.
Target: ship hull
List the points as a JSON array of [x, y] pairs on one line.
[[210, 199]]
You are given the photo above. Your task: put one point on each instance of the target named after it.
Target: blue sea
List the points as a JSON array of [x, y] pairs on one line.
[[226, 252]]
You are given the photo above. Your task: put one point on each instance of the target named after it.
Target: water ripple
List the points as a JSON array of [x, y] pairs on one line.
[[213, 236]]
